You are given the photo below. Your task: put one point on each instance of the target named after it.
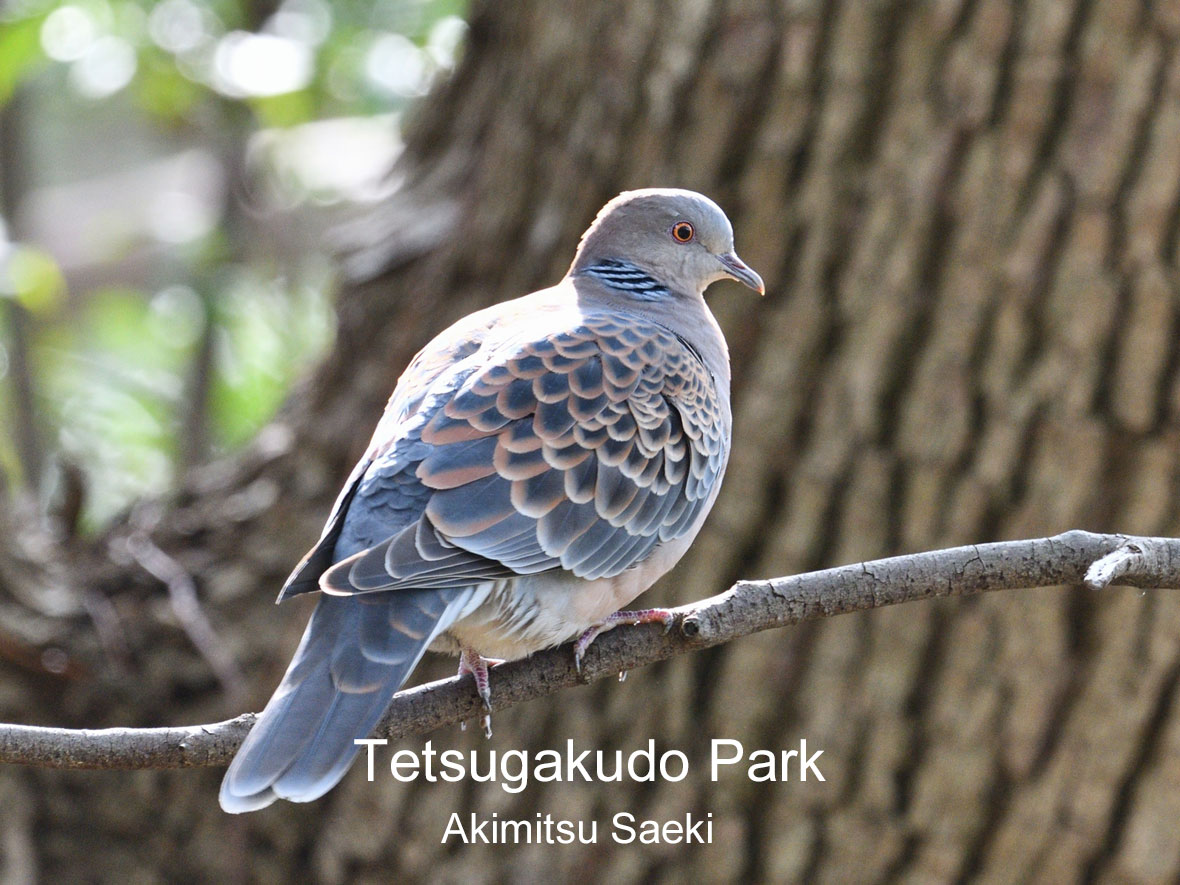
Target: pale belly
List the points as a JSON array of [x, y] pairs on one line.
[[511, 620]]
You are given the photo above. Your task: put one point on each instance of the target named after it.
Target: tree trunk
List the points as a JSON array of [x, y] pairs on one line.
[[967, 214]]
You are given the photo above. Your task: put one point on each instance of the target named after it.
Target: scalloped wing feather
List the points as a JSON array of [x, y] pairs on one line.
[[582, 449]]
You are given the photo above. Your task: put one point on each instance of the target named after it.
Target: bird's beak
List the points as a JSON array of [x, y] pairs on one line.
[[737, 269]]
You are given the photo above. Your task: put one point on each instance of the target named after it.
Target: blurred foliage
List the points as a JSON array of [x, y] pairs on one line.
[[161, 321], [291, 62], [31, 278]]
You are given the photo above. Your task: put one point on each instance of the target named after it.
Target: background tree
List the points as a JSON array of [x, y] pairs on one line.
[[967, 215]]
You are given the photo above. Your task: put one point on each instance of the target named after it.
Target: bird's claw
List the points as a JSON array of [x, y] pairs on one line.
[[644, 616], [476, 665]]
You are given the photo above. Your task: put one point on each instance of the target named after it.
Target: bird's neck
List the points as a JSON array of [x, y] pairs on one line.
[[624, 276]]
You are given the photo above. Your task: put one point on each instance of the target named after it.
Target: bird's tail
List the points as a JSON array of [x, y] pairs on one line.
[[356, 652]]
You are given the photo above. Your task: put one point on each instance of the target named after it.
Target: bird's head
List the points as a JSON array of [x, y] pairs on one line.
[[680, 237]]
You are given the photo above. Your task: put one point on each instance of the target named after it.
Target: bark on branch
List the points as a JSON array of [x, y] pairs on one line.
[[1074, 557]]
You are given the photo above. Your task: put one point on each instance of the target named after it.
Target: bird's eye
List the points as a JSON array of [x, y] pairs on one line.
[[682, 232]]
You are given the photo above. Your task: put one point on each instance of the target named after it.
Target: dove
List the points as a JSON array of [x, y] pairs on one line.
[[539, 465]]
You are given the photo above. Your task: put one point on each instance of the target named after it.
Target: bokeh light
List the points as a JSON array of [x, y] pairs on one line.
[[254, 65], [67, 33], [107, 65]]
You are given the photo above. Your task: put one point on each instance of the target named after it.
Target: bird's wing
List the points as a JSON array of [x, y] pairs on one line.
[[582, 448], [444, 356]]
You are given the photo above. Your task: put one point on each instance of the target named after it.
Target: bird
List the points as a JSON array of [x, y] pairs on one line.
[[539, 464]]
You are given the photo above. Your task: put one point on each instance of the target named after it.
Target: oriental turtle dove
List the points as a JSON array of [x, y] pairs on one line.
[[540, 464]]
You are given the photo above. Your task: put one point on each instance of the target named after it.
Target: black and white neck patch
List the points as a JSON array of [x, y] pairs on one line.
[[626, 277]]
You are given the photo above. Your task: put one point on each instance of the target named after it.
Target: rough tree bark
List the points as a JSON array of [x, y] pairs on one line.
[[968, 216]]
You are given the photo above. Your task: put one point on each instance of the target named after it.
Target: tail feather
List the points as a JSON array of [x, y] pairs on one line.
[[279, 732], [351, 661]]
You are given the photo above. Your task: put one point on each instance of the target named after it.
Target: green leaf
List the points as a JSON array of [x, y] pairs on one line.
[[163, 91], [289, 109], [120, 323], [20, 52], [32, 277]]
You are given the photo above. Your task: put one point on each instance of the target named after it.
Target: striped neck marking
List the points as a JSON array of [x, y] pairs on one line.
[[626, 277]]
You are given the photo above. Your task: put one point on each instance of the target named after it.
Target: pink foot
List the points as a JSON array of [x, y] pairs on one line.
[[645, 616], [476, 665]]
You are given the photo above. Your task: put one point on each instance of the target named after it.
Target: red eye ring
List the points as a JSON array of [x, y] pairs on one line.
[[683, 232]]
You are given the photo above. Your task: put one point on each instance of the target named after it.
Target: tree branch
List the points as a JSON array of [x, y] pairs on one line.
[[750, 606]]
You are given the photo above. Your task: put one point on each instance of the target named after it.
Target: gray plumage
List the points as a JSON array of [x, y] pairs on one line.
[[540, 464]]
